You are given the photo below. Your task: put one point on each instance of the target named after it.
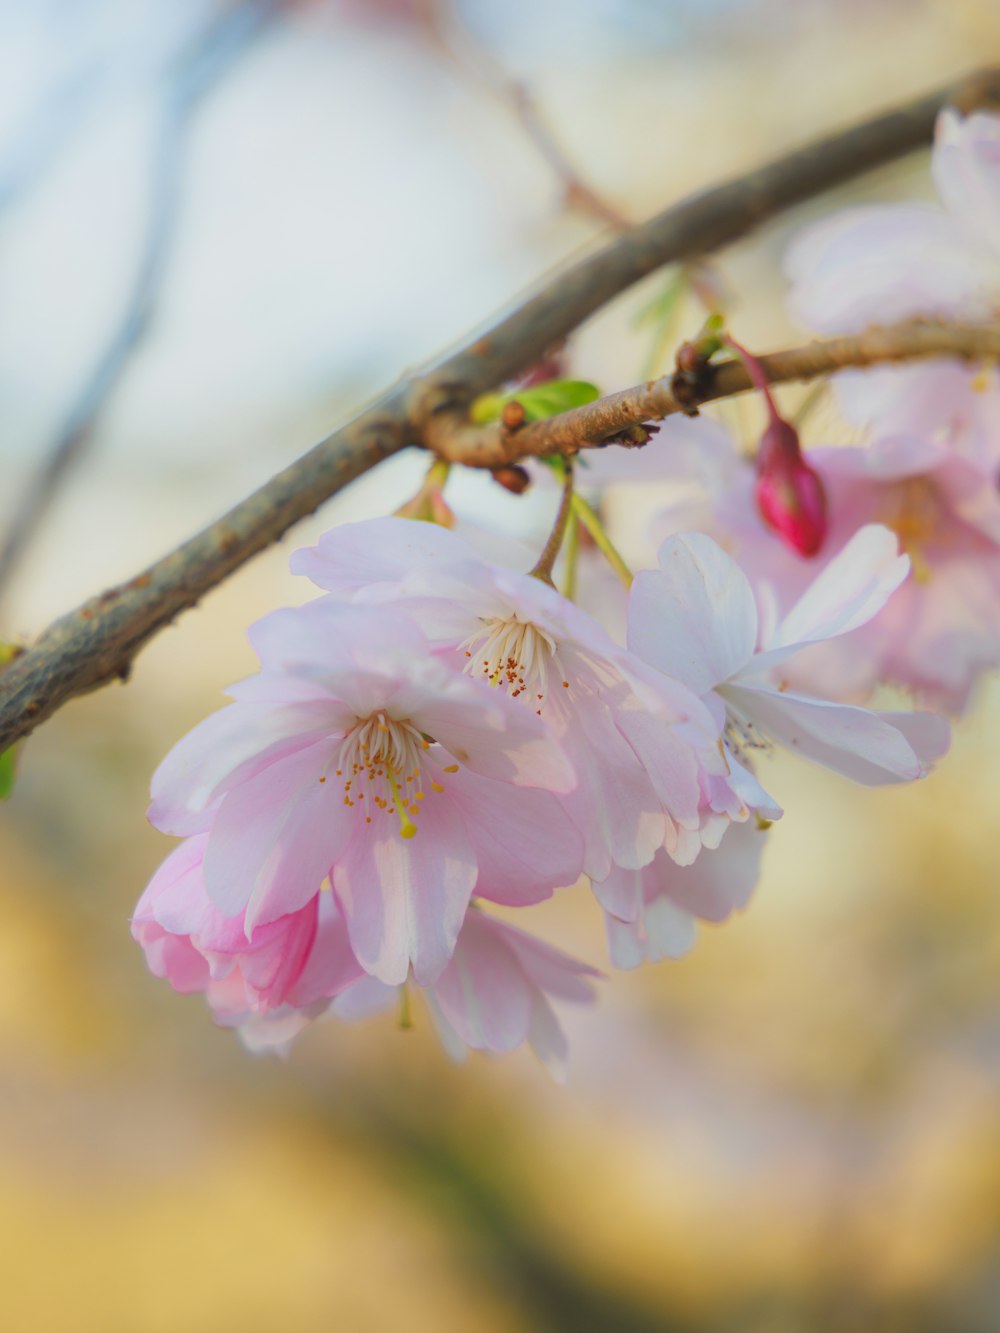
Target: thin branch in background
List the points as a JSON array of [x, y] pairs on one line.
[[96, 643], [455, 39], [208, 59]]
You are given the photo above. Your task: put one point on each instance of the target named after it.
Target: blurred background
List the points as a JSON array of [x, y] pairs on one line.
[[227, 225]]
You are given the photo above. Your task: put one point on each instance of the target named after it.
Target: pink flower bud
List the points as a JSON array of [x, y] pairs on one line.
[[789, 494]]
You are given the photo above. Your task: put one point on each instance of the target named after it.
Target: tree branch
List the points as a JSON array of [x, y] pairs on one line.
[[96, 643], [582, 427]]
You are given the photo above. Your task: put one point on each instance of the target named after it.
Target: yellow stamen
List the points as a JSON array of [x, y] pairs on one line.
[[407, 828]]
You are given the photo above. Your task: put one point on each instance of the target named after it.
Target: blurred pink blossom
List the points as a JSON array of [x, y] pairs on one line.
[[940, 631], [881, 263]]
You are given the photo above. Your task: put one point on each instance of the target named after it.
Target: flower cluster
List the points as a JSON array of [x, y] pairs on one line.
[[437, 740], [436, 734]]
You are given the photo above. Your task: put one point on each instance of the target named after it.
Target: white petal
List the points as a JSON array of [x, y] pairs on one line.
[[405, 898], [694, 618], [852, 741], [357, 556], [853, 588]]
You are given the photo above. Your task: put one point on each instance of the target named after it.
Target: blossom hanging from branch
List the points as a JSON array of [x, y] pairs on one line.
[[437, 734]]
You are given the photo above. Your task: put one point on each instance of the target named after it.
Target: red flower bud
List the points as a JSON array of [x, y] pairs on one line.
[[789, 494]]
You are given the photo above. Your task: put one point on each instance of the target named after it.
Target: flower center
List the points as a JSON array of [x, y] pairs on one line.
[[913, 516], [515, 652], [742, 735], [379, 761]]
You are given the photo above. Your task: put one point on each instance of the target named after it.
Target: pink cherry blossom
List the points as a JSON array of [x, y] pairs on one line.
[[940, 630], [640, 743], [269, 983], [873, 265], [696, 619], [354, 754], [884, 262], [652, 914], [494, 993]]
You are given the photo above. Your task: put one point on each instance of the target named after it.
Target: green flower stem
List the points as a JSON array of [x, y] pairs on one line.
[[437, 475], [405, 1014], [588, 517], [572, 551]]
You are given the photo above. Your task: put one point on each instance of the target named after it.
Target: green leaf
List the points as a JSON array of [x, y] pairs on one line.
[[539, 402], [8, 762]]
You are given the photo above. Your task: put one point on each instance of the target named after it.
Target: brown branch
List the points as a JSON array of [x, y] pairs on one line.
[[495, 445], [96, 643]]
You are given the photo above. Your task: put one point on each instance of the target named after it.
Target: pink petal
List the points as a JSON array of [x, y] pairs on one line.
[[405, 898], [225, 749], [525, 843], [719, 882], [275, 837], [331, 967], [558, 974], [494, 736], [483, 992], [620, 893], [614, 806], [664, 931], [356, 556], [928, 733]]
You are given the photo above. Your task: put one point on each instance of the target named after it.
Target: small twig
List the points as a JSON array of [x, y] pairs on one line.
[[96, 643], [545, 563], [488, 446], [209, 58]]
